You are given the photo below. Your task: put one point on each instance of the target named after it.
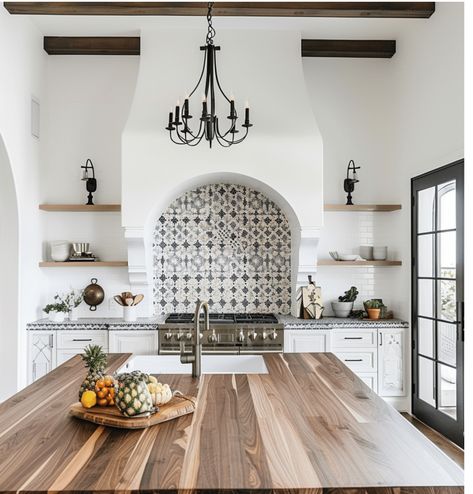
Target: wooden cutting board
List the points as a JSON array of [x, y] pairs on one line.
[[110, 416]]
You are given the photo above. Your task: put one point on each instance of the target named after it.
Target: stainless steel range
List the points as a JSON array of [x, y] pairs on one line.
[[228, 333]]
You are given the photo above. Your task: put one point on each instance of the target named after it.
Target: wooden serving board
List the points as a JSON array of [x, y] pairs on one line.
[[110, 416]]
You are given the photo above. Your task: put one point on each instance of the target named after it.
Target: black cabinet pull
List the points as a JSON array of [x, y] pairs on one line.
[[353, 360], [81, 339], [353, 338]]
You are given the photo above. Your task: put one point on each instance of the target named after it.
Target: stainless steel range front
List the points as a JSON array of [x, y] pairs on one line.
[[228, 333]]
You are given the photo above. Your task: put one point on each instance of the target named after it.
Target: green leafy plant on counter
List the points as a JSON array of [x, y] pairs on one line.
[[56, 307], [350, 295]]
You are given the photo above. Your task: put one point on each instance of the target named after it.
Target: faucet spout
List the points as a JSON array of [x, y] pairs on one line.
[[196, 356]]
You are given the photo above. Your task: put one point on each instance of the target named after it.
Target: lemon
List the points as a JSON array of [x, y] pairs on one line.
[[89, 399]]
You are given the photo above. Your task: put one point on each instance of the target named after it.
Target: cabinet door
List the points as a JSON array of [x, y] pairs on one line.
[[391, 362], [42, 353], [305, 341], [137, 342], [370, 379]]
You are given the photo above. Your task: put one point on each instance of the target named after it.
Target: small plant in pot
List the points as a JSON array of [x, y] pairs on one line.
[[344, 306], [56, 311], [373, 308]]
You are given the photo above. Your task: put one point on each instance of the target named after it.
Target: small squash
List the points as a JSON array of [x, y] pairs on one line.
[[160, 393]]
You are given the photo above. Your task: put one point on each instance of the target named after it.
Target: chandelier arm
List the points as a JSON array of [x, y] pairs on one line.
[[174, 141], [238, 140], [183, 139], [223, 136], [218, 81], [223, 142], [201, 75]]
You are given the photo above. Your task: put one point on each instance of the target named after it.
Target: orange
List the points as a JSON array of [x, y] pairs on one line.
[[102, 403], [100, 383], [102, 393]]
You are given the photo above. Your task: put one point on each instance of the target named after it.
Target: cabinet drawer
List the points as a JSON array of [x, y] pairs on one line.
[[370, 379], [80, 339], [354, 339], [361, 360]]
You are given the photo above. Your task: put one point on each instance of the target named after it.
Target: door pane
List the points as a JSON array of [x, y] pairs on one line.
[[447, 254], [425, 297], [446, 205], [425, 255], [426, 381], [447, 343], [426, 336], [426, 210], [448, 390], [447, 300]]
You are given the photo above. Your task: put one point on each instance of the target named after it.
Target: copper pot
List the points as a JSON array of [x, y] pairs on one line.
[[93, 294]]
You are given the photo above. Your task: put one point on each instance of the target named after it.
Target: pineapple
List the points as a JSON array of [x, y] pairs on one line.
[[95, 360], [132, 396]]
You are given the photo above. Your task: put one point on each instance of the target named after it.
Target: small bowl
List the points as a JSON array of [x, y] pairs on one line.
[[348, 257]]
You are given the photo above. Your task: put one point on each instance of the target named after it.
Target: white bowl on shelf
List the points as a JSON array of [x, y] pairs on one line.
[[348, 257]]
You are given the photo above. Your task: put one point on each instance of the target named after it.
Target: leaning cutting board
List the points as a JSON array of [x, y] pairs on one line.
[[179, 405]]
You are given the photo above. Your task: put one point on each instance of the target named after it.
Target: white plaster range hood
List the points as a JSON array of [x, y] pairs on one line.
[[282, 157]]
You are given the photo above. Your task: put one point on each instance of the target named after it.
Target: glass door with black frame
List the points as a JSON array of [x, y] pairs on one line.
[[437, 300]]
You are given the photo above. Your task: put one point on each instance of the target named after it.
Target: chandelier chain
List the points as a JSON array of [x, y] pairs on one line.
[[211, 30]]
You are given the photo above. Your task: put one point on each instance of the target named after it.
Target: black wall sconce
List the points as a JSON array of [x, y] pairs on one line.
[[90, 181], [350, 181]]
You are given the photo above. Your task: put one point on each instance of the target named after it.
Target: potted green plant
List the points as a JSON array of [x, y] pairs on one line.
[[344, 306], [373, 308], [57, 310]]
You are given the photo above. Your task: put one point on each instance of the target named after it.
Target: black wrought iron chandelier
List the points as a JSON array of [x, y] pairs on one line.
[[178, 125]]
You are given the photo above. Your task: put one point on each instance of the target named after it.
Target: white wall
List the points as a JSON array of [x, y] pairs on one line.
[[396, 118], [88, 100], [22, 60]]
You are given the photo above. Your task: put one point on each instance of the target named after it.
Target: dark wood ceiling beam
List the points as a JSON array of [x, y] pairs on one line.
[[237, 9], [378, 48], [130, 45], [92, 45]]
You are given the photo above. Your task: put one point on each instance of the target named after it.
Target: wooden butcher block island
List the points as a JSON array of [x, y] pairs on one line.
[[309, 425]]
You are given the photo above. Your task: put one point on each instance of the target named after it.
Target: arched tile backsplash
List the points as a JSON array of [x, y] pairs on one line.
[[228, 244]]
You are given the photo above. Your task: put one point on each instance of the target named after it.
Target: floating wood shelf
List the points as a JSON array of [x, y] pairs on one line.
[[362, 207], [83, 264], [330, 262], [81, 207]]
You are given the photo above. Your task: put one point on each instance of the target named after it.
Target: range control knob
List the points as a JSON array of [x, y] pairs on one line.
[[273, 335], [179, 336], [241, 337], [253, 335], [189, 336], [168, 336], [264, 335], [212, 337]]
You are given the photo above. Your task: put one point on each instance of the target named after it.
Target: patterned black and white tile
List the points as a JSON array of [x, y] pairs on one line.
[[225, 243]]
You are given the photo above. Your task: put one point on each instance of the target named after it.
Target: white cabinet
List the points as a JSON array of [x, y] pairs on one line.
[[137, 342], [71, 343], [370, 379], [391, 375], [42, 353], [357, 349], [306, 341], [376, 355]]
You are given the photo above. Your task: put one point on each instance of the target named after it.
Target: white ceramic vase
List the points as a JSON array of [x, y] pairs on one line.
[[74, 314], [56, 316], [129, 313]]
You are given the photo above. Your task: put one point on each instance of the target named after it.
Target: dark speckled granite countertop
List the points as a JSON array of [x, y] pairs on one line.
[[153, 323]]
